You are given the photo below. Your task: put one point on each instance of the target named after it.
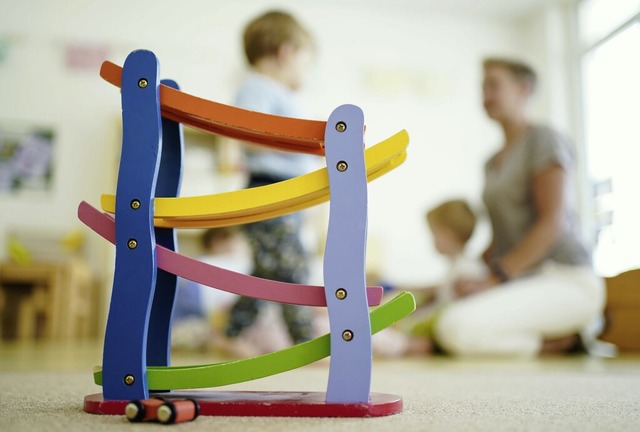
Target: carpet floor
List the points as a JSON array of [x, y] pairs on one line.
[[42, 389]]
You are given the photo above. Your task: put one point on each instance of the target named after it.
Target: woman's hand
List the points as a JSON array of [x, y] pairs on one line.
[[467, 287]]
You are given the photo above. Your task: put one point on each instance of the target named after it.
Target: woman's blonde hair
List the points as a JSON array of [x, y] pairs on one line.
[[455, 215], [264, 35]]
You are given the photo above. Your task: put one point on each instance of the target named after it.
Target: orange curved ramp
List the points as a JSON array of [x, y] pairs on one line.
[[284, 133]]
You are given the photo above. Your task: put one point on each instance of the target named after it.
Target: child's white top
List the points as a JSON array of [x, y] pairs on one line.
[[264, 94], [462, 267]]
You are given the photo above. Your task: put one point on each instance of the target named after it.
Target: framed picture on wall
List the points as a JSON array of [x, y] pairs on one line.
[[26, 157]]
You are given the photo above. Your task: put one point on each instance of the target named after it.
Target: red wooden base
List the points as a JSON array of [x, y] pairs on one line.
[[263, 404]]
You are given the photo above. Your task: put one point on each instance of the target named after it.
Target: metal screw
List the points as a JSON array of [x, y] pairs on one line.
[[342, 166], [135, 204], [132, 244], [341, 294], [129, 380], [143, 83], [341, 127], [347, 335]]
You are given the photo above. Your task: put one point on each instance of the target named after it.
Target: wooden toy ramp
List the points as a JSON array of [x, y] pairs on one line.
[[141, 221], [265, 202], [308, 404]]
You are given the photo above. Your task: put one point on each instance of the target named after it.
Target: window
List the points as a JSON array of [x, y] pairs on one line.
[[610, 64]]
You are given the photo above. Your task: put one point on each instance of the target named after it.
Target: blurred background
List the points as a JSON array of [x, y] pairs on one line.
[[409, 64]]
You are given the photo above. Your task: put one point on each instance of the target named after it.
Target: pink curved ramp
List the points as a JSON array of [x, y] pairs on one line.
[[216, 277]]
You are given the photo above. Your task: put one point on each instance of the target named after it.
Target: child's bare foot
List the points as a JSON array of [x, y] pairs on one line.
[[419, 347]]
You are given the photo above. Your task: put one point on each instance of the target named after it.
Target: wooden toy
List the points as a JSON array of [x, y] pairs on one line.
[[141, 220], [143, 410], [161, 410], [178, 411]]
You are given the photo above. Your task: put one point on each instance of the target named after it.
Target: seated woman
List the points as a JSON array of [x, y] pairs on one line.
[[541, 292]]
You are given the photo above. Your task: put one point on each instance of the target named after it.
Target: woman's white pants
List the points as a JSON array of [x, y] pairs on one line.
[[513, 319]]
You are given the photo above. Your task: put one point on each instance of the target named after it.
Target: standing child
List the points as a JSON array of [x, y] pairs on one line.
[[279, 51]]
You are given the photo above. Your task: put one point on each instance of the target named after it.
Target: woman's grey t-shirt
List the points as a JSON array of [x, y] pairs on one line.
[[508, 194]]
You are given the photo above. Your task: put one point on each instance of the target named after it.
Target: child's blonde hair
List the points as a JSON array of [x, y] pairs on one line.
[[264, 35], [455, 215]]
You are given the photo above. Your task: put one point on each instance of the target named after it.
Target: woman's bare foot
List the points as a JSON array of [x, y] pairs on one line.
[[561, 345]]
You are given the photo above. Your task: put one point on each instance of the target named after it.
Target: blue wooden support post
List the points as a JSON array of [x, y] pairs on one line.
[[344, 260], [168, 185], [125, 346]]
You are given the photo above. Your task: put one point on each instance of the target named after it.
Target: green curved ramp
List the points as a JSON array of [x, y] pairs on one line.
[[220, 374]]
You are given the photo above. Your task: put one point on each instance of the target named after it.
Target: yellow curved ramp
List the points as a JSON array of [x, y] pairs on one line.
[[265, 202]]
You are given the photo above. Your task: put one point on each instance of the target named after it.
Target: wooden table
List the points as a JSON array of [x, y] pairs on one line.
[[46, 300]]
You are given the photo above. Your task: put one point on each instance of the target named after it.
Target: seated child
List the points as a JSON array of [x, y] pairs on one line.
[[451, 225], [196, 306], [201, 312]]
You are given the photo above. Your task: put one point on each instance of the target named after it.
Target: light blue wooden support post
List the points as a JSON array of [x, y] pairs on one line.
[[344, 260]]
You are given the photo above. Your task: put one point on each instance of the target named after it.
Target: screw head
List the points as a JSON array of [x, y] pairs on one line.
[[143, 83], [132, 244], [341, 127], [135, 204], [347, 335], [342, 166], [341, 294], [129, 379]]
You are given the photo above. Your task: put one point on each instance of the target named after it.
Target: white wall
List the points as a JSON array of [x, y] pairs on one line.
[[551, 36], [548, 32], [404, 65]]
